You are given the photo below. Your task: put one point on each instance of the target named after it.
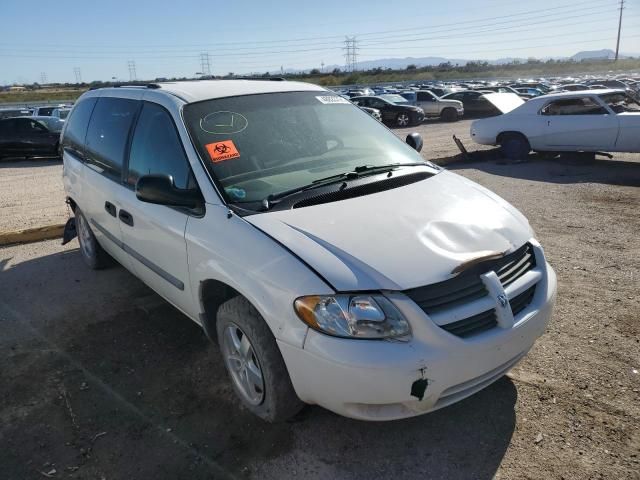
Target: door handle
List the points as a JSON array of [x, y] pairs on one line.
[[110, 208], [125, 217]]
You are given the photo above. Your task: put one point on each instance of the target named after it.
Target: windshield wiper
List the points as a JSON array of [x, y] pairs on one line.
[[357, 172]]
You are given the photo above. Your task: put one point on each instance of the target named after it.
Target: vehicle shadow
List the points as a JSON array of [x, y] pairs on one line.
[[564, 169], [29, 162], [130, 365]]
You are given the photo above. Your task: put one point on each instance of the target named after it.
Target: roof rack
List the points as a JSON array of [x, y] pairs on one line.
[[266, 79], [125, 85]]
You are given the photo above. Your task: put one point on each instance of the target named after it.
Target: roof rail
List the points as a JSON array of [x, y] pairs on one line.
[[120, 85], [266, 79]]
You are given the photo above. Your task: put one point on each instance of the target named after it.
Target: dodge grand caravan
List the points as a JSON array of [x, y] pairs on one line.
[[329, 261]]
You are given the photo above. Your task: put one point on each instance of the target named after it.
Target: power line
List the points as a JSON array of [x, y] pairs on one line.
[[43, 78], [78, 75], [131, 65], [335, 37], [619, 29]]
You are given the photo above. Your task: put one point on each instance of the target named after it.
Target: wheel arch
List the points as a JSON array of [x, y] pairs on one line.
[[212, 294], [72, 204], [501, 135]]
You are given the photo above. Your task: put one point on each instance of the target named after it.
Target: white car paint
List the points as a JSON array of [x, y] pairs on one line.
[[388, 242], [609, 131]]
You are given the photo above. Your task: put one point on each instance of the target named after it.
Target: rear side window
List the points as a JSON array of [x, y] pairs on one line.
[[76, 129], [574, 106], [108, 132], [156, 148]]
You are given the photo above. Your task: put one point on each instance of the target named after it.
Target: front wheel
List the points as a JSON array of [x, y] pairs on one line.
[[449, 115], [254, 363], [403, 120], [514, 146]]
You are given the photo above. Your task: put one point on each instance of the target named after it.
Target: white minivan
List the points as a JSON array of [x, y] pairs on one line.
[[329, 261]]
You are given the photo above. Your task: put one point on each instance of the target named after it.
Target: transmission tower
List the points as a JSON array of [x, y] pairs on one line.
[[131, 65], [205, 64], [619, 29], [350, 53], [43, 78], [76, 72]]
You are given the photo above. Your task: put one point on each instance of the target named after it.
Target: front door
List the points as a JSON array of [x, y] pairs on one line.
[[154, 235], [578, 124]]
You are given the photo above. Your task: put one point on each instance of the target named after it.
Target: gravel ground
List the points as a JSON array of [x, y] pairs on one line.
[[99, 378], [32, 194]]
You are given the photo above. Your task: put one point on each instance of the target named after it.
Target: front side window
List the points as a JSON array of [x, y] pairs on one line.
[[30, 127], [574, 106], [156, 148], [620, 102], [108, 132], [258, 145]]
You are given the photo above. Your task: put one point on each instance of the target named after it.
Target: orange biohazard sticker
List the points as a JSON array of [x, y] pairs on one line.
[[221, 151]]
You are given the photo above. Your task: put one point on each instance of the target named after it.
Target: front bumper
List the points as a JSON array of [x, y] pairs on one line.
[[371, 380]]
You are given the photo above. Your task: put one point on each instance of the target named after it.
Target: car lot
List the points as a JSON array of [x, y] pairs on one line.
[[101, 378]]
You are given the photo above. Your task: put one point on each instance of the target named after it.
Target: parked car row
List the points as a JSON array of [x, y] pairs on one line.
[[470, 96], [31, 131]]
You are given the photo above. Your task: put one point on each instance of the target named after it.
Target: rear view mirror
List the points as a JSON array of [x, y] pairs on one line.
[[414, 140], [160, 189]]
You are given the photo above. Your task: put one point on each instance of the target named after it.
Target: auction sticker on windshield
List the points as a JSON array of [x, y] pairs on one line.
[[221, 151], [328, 99]]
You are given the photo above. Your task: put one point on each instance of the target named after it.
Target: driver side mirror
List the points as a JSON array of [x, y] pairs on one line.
[[414, 140], [159, 189]]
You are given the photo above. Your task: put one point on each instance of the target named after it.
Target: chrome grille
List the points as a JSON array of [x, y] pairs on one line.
[[472, 325], [467, 287]]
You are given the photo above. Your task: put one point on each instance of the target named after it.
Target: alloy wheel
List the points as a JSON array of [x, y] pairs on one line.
[[243, 364]]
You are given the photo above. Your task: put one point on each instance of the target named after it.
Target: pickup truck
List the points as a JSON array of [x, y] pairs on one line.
[[434, 106]]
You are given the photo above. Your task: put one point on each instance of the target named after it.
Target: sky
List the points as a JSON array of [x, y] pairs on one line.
[[60, 40]]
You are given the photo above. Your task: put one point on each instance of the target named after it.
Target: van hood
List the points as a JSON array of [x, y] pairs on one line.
[[401, 238]]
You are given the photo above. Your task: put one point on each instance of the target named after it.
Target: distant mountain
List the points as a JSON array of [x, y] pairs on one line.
[[605, 53], [402, 63]]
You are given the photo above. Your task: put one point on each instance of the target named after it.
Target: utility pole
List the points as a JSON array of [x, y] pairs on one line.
[[131, 65], [76, 72], [351, 53], [205, 64], [619, 30], [322, 66], [43, 78]]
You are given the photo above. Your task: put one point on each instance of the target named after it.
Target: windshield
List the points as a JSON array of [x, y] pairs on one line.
[[394, 98], [261, 145], [63, 114]]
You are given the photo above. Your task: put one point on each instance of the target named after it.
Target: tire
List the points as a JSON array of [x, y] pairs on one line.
[[514, 146], [403, 120], [273, 399], [449, 115], [92, 253]]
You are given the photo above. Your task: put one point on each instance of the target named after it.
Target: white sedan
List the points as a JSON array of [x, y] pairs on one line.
[[585, 121]]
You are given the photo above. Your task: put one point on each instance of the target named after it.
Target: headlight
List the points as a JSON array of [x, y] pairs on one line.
[[354, 316]]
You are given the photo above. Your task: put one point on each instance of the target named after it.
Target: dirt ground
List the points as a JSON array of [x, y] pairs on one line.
[[100, 378], [32, 194]]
